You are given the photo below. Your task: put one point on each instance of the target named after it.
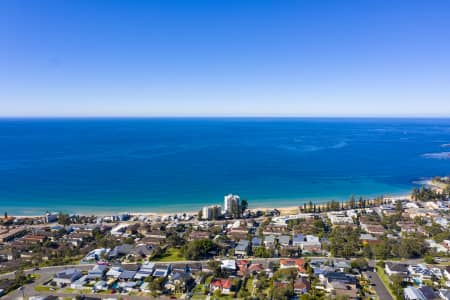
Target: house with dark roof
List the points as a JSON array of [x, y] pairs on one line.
[[97, 272], [421, 293], [179, 281], [180, 267], [127, 275], [340, 284], [145, 271], [396, 269], [67, 276], [242, 248], [162, 270], [142, 250], [120, 251]]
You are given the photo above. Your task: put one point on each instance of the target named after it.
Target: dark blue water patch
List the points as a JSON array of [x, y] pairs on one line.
[[163, 164]]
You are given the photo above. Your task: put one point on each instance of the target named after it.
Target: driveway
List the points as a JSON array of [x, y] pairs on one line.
[[378, 286]]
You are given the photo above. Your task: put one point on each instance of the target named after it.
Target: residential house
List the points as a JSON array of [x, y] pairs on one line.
[[100, 286], [228, 266], [242, 248], [67, 277], [396, 269], [375, 229], [145, 271], [284, 240], [79, 283], [180, 267], [242, 267], [421, 293], [301, 286], [339, 218], [142, 251], [420, 272], [224, 285], [256, 242], [179, 282], [255, 268], [298, 240], [162, 270], [114, 272], [198, 235], [97, 272], [119, 251], [340, 284], [444, 294], [311, 244], [297, 263], [269, 241], [275, 229]]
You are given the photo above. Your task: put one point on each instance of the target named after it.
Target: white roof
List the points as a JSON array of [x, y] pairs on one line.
[[228, 264]]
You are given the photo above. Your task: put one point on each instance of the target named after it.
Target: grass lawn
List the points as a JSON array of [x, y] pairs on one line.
[[36, 276], [41, 288], [171, 254], [385, 279], [249, 285]]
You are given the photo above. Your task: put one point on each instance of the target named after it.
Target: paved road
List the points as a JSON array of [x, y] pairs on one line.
[[378, 286], [47, 273]]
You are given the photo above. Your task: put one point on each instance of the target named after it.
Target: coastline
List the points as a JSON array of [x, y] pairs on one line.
[[285, 209]]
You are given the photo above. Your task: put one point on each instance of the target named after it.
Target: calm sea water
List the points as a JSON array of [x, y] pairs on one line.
[[120, 165]]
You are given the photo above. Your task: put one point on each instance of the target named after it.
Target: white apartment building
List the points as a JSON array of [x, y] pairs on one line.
[[229, 201]]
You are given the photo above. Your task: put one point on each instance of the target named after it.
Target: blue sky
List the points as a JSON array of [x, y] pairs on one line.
[[232, 58]]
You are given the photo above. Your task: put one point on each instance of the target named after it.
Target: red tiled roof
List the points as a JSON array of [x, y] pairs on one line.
[[222, 283], [299, 263]]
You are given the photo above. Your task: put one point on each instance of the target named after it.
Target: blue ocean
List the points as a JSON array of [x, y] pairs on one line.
[[180, 164]]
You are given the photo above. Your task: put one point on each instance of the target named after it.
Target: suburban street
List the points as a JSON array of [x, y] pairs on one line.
[[378, 286], [46, 273]]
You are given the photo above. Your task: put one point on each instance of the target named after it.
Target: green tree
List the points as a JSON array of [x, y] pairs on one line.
[[244, 205], [197, 249]]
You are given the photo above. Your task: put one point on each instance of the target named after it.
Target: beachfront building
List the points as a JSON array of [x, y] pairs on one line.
[[229, 201], [211, 212]]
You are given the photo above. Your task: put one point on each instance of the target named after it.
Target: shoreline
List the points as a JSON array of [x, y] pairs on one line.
[[284, 209]]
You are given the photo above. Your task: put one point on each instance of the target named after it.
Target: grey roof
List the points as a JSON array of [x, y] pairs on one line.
[[401, 268], [298, 238], [256, 241], [68, 273], [428, 292], [242, 246], [284, 239], [269, 239], [121, 250], [339, 276], [127, 274], [180, 276], [159, 273], [180, 266]]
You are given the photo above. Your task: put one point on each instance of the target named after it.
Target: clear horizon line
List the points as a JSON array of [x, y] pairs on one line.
[[237, 116]]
